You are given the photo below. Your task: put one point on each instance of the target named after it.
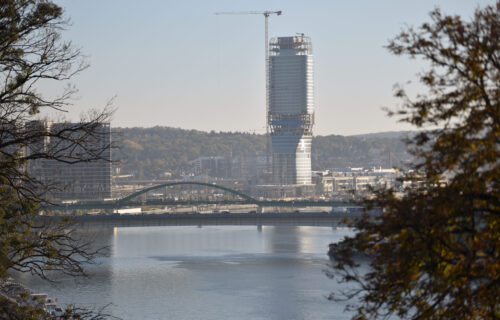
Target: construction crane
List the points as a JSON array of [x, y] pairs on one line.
[[266, 15]]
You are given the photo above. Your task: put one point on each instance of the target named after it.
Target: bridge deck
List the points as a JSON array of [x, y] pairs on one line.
[[266, 219]]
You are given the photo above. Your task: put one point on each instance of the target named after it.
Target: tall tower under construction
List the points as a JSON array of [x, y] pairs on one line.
[[291, 109]]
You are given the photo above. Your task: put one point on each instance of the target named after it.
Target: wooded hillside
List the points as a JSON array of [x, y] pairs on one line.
[[148, 152]]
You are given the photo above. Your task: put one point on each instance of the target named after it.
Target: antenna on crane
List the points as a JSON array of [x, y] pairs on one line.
[[266, 15]]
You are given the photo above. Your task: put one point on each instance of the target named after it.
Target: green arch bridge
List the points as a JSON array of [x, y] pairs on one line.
[[128, 200], [171, 184]]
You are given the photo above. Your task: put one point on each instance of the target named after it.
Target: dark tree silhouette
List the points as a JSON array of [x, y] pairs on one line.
[[434, 253], [32, 53]]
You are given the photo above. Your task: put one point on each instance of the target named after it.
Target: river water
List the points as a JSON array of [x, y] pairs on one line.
[[213, 272]]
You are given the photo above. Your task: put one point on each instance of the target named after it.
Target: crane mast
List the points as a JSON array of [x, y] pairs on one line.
[[266, 15]]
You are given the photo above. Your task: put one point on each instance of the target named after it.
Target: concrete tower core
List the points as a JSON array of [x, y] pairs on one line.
[[291, 108]]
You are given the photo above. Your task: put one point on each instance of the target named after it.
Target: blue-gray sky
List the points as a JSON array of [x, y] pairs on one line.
[[175, 63]]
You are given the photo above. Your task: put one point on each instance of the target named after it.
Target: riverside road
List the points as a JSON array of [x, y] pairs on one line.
[[190, 219]]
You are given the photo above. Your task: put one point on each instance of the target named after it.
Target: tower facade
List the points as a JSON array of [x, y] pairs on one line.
[[291, 108]]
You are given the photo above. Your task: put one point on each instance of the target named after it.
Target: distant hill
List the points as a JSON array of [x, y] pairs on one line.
[[148, 152], [385, 134]]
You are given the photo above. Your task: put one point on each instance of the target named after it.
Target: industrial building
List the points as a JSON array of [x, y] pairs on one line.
[[291, 109], [83, 180]]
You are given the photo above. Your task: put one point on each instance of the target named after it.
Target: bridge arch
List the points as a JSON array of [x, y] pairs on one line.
[[138, 193]]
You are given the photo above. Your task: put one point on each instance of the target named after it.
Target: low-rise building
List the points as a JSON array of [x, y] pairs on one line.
[[354, 180], [219, 167]]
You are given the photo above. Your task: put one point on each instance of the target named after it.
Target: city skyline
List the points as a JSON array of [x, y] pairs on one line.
[[183, 66], [112, 206]]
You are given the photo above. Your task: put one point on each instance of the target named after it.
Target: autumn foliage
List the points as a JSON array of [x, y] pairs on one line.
[[434, 253]]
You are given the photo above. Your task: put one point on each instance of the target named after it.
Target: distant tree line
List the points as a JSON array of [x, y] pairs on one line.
[[148, 152]]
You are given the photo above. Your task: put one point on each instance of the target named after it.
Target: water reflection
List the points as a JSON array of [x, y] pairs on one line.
[[213, 272], [81, 290]]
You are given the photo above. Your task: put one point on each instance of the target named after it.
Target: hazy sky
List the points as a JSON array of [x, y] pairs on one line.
[[175, 63]]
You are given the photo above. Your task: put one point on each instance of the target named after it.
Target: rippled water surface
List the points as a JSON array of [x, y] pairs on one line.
[[208, 273]]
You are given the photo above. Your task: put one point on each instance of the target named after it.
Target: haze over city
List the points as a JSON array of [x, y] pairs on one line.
[[178, 64], [207, 169]]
